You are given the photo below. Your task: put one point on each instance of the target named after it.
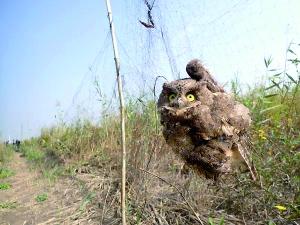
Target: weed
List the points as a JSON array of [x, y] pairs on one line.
[[87, 200], [41, 197], [46, 161], [271, 222], [4, 186], [6, 153], [33, 154], [212, 222], [5, 172], [8, 205], [53, 173]]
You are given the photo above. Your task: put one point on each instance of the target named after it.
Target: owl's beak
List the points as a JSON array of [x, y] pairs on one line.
[[180, 103]]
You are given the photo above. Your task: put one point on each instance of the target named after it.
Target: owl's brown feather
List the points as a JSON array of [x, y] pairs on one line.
[[198, 72], [209, 132]]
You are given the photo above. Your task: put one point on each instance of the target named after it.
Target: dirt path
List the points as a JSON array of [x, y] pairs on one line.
[[65, 203]]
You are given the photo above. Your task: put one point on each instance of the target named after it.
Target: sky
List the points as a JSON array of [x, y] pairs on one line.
[[52, 52]]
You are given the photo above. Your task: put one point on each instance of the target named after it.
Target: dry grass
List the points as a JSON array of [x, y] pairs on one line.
[[165, 196], [178, 198]]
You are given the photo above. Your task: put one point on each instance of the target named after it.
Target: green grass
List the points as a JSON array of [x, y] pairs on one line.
[[4, 186], [212, 222], [87, 200], [33, 154], [8, 205], [41, 197], [6, 153], [5, 172], [45, 161], [53, 173]]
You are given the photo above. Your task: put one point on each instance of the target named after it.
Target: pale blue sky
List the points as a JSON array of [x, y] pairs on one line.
[[51, 51]]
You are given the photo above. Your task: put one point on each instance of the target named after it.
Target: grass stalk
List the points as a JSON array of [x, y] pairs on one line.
[[122, 113]]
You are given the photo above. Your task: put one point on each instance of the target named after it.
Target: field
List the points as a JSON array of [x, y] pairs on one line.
[[158, 190]]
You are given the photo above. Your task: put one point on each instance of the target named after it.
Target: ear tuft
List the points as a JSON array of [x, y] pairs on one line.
[[196, 70]]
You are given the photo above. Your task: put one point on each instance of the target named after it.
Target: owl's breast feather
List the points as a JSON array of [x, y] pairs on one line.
[[177, 136]]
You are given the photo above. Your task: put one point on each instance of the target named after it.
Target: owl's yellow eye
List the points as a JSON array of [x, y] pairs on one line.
[[190, 97], [172, 97]]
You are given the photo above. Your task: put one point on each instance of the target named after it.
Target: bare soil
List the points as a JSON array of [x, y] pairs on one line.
[[66, 202]]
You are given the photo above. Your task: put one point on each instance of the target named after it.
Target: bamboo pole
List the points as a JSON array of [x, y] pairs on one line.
[[122, 111]]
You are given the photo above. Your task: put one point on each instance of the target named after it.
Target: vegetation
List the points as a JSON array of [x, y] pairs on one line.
[[5, 154], [49, 164], [4, 186], [211, 222], [5, 172], [157, 191], [41, 197], [87, 200], [8, 205]]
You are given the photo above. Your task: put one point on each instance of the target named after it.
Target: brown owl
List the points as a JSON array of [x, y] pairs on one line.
[[204, 125]]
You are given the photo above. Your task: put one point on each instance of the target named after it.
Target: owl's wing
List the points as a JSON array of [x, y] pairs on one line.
[[239, 117], [235, 122], [233, 116]]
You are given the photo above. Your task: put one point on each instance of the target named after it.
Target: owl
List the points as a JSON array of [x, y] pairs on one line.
[[205, 126]]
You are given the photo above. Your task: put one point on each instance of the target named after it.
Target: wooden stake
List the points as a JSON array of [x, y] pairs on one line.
[[122, 111]]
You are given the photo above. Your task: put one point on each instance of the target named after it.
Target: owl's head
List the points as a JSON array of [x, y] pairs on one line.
[[180, 93], [179, 97], [180, 100]]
